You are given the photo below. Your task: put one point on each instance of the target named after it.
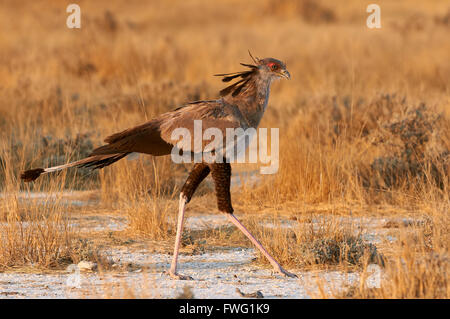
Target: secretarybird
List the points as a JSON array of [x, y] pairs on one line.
[[241, 105]]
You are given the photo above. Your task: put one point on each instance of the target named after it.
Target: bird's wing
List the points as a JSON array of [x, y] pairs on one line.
[[202, 127], [158, 136], [145, 138]]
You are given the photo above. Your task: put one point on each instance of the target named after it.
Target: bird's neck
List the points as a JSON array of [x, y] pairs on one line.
[[253, 98]]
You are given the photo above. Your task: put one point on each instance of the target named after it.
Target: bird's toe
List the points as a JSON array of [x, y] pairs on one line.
[[286, 273], [290, 275], [180, 277]]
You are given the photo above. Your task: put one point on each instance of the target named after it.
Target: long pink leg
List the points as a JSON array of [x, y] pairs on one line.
[[272, 261], [196, 176], [173, 268]]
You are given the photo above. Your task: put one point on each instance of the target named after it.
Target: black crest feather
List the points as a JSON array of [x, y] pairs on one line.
[[237, 86]]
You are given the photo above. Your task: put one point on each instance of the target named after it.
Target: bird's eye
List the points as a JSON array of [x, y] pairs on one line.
[[273, 66]]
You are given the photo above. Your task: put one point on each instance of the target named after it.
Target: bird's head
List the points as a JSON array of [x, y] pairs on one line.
[[273, 68], [268, 68]]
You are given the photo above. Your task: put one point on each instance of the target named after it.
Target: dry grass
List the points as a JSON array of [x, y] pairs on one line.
[[315, 243], [37, 231], [364, 123], [417, 270], [369, 157]]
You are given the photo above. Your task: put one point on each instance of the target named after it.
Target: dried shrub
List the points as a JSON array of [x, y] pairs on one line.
[[323, 243], [406, 138], [351, 249]]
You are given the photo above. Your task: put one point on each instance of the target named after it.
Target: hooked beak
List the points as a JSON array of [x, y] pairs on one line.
[[285, 74]]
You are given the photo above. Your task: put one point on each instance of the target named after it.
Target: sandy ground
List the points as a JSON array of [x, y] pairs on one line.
[[216, 274]]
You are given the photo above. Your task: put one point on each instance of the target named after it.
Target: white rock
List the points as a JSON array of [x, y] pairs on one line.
[[86, 265]]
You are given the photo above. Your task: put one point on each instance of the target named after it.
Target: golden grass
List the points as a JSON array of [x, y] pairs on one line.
[[320, 243], [32, 232], [418, 268], [350, 136]]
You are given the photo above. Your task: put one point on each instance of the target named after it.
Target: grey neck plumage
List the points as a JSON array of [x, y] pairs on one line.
[[253, 98]]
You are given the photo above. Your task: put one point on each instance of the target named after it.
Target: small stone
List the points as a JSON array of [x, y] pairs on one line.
[[87, 265]]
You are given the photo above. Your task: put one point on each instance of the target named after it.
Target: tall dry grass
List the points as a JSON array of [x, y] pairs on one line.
[[418, 268], [321, 242], [34, 231], [389, 152]]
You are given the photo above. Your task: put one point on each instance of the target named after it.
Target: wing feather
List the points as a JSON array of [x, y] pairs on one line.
[[213, 115]]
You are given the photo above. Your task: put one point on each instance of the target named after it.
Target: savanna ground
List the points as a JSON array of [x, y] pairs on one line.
[[364, 148]]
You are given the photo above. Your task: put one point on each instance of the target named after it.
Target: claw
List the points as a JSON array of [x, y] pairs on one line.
[[179, 277], [286, 273]]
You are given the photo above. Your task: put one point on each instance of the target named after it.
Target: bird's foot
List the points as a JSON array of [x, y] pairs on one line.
[[177, 276], [284, 272]]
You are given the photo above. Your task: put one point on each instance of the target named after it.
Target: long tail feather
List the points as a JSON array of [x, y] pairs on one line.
[[93, 162], [32, 174]]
